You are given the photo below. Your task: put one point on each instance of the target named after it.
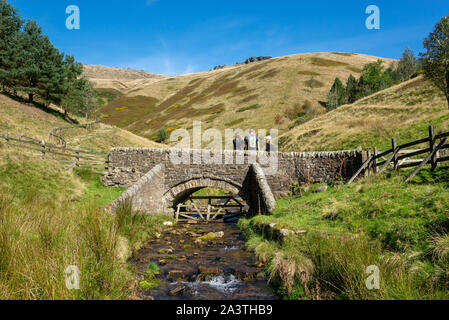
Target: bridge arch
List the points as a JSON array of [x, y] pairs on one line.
[[181, 191]]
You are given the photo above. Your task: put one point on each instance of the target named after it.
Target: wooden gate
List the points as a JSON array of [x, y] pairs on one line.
[[224, 207]]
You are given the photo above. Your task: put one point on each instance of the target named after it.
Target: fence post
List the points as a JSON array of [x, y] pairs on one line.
[[77, 156], [43, 148], [375, 153], [432, 147], [395, 158], [368, 169]]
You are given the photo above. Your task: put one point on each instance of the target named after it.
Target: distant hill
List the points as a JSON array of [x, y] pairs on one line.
[[403, 111], [266, 94], [118, 78]]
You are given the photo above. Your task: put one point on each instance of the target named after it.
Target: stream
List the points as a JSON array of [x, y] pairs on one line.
[[216, 268]]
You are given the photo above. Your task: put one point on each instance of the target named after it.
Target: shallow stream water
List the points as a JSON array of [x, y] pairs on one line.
[[214, 269]]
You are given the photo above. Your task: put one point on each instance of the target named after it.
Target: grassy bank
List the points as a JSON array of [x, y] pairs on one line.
[[402, 229], [51, 219]]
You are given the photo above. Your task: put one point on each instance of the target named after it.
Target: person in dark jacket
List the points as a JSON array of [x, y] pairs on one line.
[[238, 142], [269, 147]]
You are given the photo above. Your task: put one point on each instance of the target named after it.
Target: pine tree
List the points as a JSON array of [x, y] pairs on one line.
[[351, 89], [336, 95], [10, 24], [29, 56], [52, 81]]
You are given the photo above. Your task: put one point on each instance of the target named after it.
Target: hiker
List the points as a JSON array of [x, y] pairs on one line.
[[238, 142], [252, 141], [269, 147]]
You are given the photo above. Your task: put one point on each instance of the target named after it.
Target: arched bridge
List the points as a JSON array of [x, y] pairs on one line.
[[159, 179]]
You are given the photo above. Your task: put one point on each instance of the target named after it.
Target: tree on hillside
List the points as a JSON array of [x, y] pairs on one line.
[[52, 79], [408, 65], [374, 79], [351, 89], [436, 59], [81, 98], [162, 135], [29, 56], [10, 24], [336, 96], [39, 67]]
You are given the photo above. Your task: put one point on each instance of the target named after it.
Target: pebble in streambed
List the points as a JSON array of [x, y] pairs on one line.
[[204, 262]]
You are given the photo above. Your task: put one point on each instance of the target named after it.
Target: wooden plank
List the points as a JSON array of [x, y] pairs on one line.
[[177, 213], [217, 214], [433, 160], [375, 153], [199, 211], [393, 155], [380, 155], [442, 135], [426, 160], [414, 153], [409, 165], [413, 143], [363, 167], [443, 159]]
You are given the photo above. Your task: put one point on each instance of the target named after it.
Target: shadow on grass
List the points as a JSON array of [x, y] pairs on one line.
[[42, 107]]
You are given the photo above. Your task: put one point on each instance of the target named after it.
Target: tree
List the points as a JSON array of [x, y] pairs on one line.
[[162, 135], [10, 24], [436, 59], [351, 89], [373, 79], [81, 99], [336, 96], [408, 65], [29, 56]]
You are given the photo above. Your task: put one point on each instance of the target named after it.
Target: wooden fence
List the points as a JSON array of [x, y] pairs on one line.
[[72, 156], [55, 134], [401, 156]]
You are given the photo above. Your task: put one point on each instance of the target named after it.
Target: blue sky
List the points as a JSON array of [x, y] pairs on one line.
[[179, 36]]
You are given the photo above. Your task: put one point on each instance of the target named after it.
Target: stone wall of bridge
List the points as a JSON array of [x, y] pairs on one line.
[[193, 170]]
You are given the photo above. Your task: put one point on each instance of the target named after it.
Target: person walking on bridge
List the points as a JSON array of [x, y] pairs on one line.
[[252, 141], [269, 147], [238, 142]]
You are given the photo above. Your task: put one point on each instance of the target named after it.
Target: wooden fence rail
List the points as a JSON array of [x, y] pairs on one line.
[[74, 156], [399, 157]]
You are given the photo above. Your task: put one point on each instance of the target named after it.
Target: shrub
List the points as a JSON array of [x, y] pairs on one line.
[[162, 135]]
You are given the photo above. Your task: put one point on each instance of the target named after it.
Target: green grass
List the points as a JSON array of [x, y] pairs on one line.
[[51, 219], [95, 191], [401, 228]]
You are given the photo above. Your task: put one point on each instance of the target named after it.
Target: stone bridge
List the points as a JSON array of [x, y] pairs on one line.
[[159, 179]]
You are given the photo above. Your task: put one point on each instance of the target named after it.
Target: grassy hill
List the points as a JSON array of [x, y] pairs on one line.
[[21, 118], [267, 94], [118, 80], [51, 218], [403, 111]]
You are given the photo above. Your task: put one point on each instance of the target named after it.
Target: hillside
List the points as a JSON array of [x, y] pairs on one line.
[[20, 118], [260, 95], [118, 80], [403, 111]]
